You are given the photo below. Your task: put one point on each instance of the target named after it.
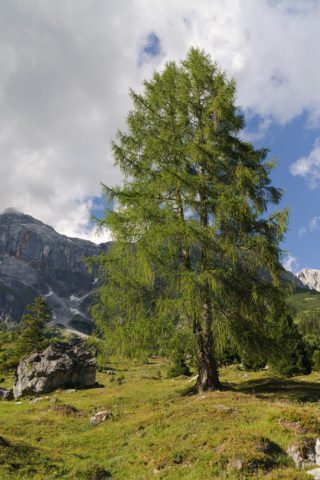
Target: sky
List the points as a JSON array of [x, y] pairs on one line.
[[66, 67]]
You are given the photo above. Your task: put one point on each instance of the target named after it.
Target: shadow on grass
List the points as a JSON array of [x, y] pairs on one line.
[[23, 459], [189, 391], [276, 388], [19, 460]]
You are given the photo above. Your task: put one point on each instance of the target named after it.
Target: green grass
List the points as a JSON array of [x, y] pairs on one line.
[[161, 430], [305, 302]]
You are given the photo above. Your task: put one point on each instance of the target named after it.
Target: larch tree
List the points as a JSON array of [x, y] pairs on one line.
[[194, 250]]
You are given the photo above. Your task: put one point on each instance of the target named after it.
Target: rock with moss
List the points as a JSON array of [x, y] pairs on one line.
[[100, 417], [305, 453], [60, 365]]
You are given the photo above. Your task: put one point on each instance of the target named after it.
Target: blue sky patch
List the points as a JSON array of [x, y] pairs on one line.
[[151, 48], [288, 143]]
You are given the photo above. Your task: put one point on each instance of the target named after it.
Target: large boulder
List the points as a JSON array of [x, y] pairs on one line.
[[60, 365]]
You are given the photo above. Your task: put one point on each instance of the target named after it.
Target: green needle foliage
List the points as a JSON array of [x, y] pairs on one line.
[[194, 251], [32, 337], [178, 365]]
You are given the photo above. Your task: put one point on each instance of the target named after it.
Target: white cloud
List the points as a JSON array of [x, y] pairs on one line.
[[261, 131], [302, 231], [314, 224], [291, 263], [76, 225], [309, 167], [66, 67]]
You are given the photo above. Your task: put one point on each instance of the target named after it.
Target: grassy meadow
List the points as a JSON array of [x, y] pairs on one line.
[[160, 429]]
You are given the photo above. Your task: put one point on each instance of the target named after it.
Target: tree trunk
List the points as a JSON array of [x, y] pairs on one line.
[[208, 377]]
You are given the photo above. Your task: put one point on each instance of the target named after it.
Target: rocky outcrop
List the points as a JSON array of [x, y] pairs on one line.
[[6, 394], [60, 365], [100, 417], [305, 453], [315, 473], [310, 278], [36, 260]]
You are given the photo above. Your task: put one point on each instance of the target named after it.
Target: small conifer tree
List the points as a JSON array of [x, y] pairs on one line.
[[32, 337], [293, 358]]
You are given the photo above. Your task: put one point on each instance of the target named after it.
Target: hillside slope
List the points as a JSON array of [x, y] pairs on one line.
[[160, 430], [305, 301]]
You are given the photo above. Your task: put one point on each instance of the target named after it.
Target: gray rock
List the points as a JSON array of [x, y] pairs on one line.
[[100, 417], [6, 394], [317, 451], [305, 453], [236, 464], [295, 453], [60, 365], [315, 473], [35, 400]]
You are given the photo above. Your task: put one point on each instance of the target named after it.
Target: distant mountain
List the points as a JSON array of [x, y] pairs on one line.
[[36, 260], [310, 278]]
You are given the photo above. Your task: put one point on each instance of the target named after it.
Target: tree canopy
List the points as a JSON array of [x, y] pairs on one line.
[[196, 252]]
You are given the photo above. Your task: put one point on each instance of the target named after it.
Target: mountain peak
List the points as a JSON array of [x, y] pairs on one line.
[[310, 277], [12, 215], [12, 211]]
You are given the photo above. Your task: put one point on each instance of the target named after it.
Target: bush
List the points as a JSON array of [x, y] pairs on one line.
[[316, 361], [293, 353], [228, 356], [253, 362], [9, 357], [178, 365]]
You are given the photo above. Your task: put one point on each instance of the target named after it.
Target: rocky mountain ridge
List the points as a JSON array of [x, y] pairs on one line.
[[310, 278], [36, 260]]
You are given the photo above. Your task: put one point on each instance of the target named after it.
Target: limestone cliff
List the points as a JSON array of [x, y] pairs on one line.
[[36, 260], [310, 278]]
